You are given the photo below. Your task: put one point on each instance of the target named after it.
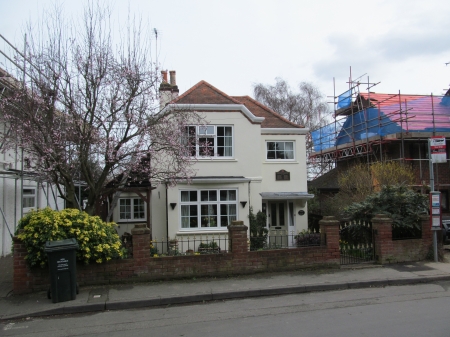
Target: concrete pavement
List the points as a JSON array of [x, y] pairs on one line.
[[128, 296]]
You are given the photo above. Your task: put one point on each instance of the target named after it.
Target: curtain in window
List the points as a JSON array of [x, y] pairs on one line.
[[289, 150], [228, 142], [185, 196], [185, 216]]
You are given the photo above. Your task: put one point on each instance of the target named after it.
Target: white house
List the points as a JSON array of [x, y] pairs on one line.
[[257, 159]]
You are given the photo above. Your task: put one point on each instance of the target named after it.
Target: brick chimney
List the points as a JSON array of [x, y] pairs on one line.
[[167, 91]]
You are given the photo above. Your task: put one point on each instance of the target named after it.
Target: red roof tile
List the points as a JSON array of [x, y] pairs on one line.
[[271, 118], [387, 99], [205, 93]]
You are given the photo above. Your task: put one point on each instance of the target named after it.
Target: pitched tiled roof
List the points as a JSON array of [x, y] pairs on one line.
[[205, 93], [381, 100], [271, 118], [327, 181]]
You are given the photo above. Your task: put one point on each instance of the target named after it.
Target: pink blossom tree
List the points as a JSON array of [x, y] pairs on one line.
[[88, 109]]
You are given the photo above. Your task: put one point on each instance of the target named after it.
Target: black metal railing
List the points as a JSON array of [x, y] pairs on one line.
[[355, 254], [284, 240], [189, 245]]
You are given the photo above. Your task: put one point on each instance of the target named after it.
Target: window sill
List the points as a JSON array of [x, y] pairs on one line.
[[281, 162], [122, 222], [188, 232], [218, 159]]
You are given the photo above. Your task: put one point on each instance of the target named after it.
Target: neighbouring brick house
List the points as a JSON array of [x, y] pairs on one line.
[[257, 160], [371, 127]]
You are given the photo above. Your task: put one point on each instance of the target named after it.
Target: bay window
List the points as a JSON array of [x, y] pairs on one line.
[[208, 209]]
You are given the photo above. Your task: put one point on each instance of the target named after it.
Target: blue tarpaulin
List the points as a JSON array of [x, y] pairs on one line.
[[423, 114], [345, 99]]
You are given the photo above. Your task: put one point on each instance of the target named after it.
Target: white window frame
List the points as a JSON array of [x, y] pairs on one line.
[[197, 204], [211, 131], [284, 144], [33, 195], [132, 205]]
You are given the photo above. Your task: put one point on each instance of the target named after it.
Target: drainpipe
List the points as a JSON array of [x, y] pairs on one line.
[[167, 213]]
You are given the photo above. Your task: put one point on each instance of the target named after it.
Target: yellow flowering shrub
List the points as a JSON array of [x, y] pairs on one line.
[[98, 241]]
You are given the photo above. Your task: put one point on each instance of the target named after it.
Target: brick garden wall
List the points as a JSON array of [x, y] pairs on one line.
[[393, 251], [142, 267]]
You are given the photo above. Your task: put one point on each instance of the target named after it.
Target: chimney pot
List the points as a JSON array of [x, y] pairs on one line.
[[173, 79], [164, 76]]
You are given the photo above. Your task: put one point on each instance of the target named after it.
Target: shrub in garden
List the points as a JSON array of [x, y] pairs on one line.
[[258, 230], [98, 241], [402, 204]]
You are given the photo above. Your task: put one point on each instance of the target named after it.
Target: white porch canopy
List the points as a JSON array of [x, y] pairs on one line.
[[286, 195]]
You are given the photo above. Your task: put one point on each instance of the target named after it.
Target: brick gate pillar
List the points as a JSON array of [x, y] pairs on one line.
[[237, 237], [21, 281], [141, 248], [329, 232], [382, 235]]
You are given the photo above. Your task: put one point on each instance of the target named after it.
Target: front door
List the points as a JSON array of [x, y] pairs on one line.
[[277, 224]]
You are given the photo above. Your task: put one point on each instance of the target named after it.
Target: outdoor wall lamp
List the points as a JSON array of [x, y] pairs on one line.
[[243, 203], [173, 204]]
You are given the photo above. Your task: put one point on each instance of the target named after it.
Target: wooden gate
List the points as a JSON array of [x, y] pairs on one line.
[[356, 243]]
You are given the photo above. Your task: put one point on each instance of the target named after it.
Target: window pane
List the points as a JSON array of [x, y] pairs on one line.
[[189, 217], [270, 154], [125, 209], [138, 209], [28, 191], [189, 140], [193, 196], [28, 202], [204, 195], [206, 130], [206, 146], [212, 195], [270, 146], [227, 195], [188, 196], [185, 196], [209, 215]]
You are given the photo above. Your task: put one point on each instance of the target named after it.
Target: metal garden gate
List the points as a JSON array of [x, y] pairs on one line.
[[356, 243]]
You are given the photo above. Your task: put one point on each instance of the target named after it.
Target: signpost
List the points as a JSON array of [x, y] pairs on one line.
[[437, 149]]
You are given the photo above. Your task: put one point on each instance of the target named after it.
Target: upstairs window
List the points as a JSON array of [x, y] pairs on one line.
[[209, 141], [280, 150]]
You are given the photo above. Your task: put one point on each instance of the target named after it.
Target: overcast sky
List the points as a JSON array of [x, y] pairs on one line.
[[233, 44]]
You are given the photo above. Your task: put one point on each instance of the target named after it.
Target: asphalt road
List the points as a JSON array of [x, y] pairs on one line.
[[419, 310]]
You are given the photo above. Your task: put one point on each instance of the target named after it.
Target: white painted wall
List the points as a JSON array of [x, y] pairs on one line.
[[10, 202], [249, 161]]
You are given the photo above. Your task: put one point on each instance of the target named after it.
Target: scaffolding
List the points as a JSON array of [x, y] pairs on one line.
[[365, 121], [14, 171]]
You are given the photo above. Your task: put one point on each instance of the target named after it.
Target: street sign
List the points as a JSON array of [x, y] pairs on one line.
[[435, 207], [438, 149]]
